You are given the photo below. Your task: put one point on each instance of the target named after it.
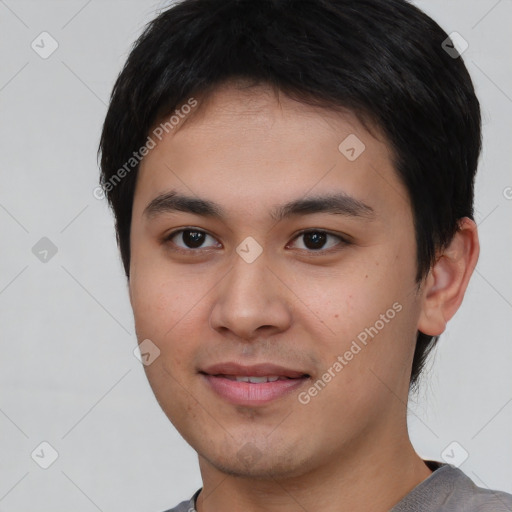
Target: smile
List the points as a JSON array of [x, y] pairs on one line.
[[252, 385]]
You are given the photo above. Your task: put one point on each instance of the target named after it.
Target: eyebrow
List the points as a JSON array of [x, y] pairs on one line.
[[337, 204]]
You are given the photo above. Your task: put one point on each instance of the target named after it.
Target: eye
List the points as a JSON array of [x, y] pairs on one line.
[[315, 240], [192, 239], [189, 239]]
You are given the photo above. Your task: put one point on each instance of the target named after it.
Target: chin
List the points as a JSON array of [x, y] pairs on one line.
[[249, 462]]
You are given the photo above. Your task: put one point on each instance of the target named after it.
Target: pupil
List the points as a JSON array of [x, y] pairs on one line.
[[317, 239], [193, 238]]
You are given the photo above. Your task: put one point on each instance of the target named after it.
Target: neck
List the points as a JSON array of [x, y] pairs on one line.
[[374, 476]]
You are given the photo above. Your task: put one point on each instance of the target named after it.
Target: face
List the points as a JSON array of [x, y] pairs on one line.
[[264, 243]]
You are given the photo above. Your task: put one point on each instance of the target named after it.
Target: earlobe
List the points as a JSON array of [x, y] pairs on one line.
[[447, 281]]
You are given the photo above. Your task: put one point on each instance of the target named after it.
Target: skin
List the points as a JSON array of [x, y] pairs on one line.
[[250, 149]]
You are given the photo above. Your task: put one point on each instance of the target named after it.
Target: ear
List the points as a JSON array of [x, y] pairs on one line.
[[447, 280]]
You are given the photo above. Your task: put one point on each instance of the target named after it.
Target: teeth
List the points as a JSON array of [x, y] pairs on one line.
[[254, 380]]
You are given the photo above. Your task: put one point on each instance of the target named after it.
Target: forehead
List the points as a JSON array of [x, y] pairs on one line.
[[252, 147]]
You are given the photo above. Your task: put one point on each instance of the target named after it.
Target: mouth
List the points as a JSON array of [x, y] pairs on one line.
[[253, 385], [257, 380]]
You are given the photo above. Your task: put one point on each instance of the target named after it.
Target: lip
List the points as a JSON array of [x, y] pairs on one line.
[[256, 370], [248, 393]]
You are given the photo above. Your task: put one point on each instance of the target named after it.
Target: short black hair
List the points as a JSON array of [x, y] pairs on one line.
[[384, 60]]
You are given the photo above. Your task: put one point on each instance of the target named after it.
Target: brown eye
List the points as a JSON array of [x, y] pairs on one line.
[[190, 239], [193, 239], [317, 240]]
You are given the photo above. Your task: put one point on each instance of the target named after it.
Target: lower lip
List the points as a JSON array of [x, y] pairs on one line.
[[249, 393]]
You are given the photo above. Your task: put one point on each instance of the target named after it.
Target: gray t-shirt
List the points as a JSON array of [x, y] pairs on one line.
[[447, 489]]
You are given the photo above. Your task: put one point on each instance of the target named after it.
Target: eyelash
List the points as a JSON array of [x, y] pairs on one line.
[[311, 252]]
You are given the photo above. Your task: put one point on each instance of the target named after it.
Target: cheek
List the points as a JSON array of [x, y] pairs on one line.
[[162, 296], [366, 315], [171, 308], [365, 369], [167, 310], [343, 302]]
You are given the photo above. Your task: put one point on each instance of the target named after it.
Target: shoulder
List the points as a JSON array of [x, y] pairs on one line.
[[448, 489], [187, 505], [477, 499]]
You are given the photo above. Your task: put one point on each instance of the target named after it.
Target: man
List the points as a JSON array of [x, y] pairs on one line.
[[292, 183]]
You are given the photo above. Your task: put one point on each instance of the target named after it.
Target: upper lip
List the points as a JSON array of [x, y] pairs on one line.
[[257, 370]]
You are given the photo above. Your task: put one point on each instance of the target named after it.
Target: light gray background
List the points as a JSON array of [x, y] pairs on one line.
[[68, 375]]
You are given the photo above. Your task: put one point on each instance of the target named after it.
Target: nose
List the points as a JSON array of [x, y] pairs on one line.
[[251, 301]]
